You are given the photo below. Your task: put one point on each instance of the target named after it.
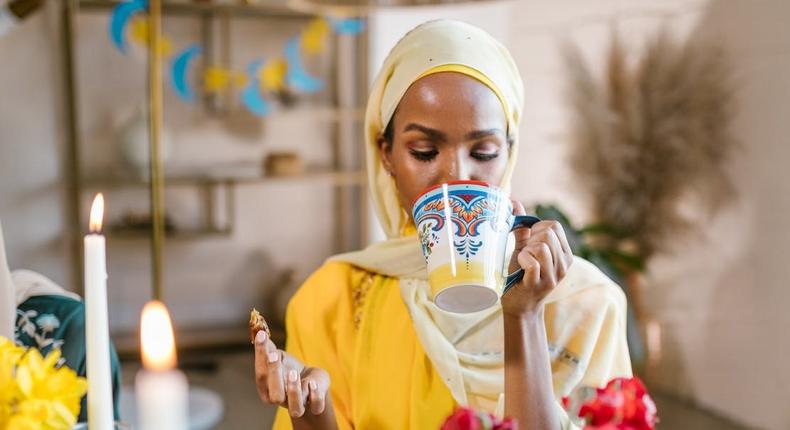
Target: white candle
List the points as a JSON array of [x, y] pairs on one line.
[[97, 337], [161, 390]]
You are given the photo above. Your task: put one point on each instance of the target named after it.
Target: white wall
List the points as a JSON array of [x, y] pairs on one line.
[[208, 282], [30, 149]]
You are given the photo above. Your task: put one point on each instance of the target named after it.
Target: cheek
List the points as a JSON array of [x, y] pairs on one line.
[[411, 176], [496, 170]]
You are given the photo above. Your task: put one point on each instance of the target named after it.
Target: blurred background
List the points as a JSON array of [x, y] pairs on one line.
[[656, 129]]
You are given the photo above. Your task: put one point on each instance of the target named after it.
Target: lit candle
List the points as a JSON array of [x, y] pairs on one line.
[[97, 337], [160, 388]]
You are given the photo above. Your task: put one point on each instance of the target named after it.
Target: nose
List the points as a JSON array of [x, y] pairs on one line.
[[458, 168]]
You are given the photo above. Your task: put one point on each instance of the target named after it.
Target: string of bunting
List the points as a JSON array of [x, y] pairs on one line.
[[273, 76]]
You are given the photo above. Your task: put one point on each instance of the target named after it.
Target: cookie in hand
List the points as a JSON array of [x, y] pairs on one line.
[[257, 323]]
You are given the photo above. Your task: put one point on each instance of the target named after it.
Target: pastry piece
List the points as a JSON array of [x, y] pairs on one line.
[[257, 323]]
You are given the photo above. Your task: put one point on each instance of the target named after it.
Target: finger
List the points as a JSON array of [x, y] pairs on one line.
[[305, 383], [274, 376], [531, 267], [521, 234], [561, 269], [546, 234], [542, 253], [566, 246], [317, 398], [261, 365], [295, 400], [561, 253]]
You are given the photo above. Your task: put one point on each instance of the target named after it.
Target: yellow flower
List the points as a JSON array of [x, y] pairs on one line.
[[35, 394], [9, 392], [22, 422]]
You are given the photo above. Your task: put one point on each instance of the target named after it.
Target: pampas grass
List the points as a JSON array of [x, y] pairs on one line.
[[652, 138]]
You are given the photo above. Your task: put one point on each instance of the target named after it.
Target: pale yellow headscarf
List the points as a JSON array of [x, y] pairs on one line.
[[433, 47], [451, 341]]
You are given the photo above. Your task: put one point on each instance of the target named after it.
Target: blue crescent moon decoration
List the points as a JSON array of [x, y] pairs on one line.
[[350, 26], [178, 72], [297, 77], [119, 19], [251, 95]]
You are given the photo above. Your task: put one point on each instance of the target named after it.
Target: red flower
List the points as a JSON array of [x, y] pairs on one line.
[[623, 404], [604, 408], [462, 419], [468, 419], [506, 424]]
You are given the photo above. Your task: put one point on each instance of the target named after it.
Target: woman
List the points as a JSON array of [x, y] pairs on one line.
[[445, 106]]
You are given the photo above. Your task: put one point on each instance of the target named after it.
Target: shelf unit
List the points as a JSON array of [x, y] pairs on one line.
[[343, 172], [208, 186]]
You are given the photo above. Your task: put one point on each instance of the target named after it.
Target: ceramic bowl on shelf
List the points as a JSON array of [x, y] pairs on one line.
[[133, 140]]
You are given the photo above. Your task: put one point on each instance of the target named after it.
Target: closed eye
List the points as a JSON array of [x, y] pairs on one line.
[[425, 156], [485, 156]]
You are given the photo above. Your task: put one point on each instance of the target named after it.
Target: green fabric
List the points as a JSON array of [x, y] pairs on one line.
[[47, 322]]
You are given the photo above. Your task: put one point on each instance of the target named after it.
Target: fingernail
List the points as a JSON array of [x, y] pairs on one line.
[[260, 337], [292, 376], [273, 357], [313, 385]]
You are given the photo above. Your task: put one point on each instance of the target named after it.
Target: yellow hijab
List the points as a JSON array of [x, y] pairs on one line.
[[451, 341]]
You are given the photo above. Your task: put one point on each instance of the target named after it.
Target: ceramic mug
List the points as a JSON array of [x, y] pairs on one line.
[[463, 227]]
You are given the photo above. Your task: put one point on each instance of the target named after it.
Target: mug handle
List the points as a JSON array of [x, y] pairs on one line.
[[516, 277]]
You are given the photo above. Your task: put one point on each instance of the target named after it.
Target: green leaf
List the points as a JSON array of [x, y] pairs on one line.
[[631, 260], [603, 229], [603, 262]]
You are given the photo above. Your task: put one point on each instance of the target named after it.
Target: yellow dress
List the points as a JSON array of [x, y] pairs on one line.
[[355, 325]]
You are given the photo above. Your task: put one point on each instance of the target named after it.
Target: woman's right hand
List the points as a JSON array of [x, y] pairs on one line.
[[284, 381]]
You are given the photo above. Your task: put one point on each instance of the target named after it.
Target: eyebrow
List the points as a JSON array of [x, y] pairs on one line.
[[479, 134], [432, 134], [437, 135]]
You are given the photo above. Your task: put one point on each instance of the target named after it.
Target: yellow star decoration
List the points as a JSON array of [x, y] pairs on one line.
[[314, 35], [139, 33], [36, 394], [272, 75], [216, 79]]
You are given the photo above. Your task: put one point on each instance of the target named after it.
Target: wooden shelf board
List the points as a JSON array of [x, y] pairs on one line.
[[356, 177], [114, 232], [261, 9]]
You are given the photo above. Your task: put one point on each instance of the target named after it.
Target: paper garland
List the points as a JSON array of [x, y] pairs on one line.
[[260, 77], [120, 17], [251, 95]]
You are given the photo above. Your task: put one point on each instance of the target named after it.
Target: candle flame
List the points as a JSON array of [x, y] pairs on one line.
[[97, 213], [156, 337]]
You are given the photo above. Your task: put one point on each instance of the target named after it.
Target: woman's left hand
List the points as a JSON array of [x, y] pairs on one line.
[[544, 254]]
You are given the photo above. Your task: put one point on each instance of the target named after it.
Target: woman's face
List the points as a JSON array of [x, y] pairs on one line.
[[447, 126]]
